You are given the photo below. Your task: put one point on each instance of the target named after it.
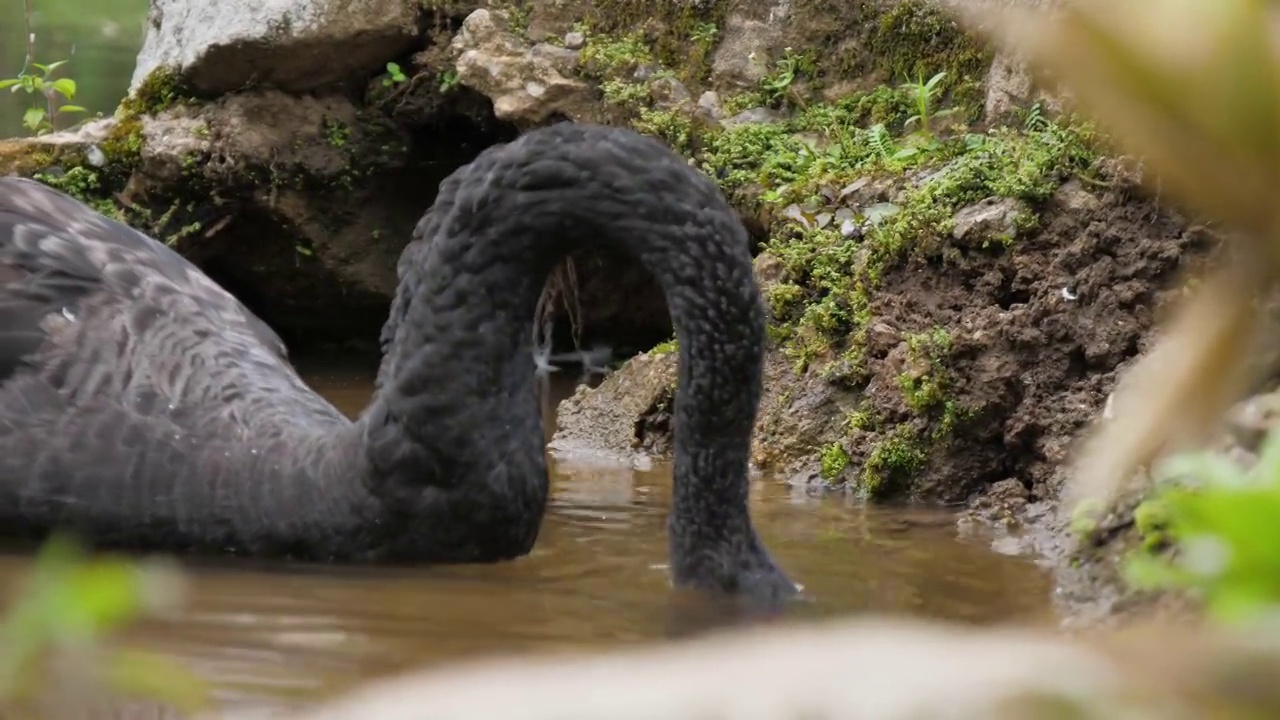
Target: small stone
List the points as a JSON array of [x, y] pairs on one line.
[[755, 116], [1249, 422], [1072, 197], [670, 94], [574, 40], [709, 105], [989, 219]]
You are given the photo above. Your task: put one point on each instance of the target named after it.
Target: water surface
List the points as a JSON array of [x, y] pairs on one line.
[[268, 634]]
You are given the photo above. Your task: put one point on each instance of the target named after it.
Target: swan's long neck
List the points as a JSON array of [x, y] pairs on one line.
[[457, 387]]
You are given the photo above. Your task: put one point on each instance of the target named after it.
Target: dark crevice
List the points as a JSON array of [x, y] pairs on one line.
[[338, 294]]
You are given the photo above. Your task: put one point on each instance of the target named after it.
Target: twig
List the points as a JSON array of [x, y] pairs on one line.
[[31, 36]]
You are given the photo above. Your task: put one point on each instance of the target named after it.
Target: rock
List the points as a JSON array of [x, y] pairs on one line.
[[989, 219], [575, 40], [1249, 421], [669, 93], [769, 269], [1072, 197], [607, 419], [754, 116], [709, 107], [1009, 86], [171, 141], [742, 58], [294, 45], [526, 87], [563, 59]]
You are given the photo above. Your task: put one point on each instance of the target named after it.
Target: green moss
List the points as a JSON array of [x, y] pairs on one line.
[[863, 419], [608, 57], [680, 36], [336, 132], [123, 145], [915, 39], [671, 126], [891, 463], [665, 347], [1152, 519], [834, 461], [158, 91], [823, 300]]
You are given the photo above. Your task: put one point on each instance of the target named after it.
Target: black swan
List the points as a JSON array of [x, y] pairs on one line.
[[144, 408]]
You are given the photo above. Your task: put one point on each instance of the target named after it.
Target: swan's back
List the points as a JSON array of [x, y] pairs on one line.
[[101, 314]]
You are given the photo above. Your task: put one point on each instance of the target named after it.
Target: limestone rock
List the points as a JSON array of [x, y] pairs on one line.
[[526, 87], [742, 58], [170, 140], [1009, 86], [989, 219], [290, 44]]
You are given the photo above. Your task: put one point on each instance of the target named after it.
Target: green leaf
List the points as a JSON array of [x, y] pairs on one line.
[[32, 118], [52, 66], [9, 82], [66, 86], [72, 109]]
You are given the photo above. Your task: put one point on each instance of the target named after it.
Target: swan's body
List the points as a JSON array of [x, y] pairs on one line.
[[145, 408]]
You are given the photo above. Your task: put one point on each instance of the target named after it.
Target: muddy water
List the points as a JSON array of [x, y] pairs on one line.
[[266, 635]]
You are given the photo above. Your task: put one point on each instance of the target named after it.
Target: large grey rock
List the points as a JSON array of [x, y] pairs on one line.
[[526, 86], [290, 44]]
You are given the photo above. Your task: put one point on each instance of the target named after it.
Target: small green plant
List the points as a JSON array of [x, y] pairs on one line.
[[834, 461], [336, 132], [704, 33], [73, 603], [448, 81], [922, 93], [787, 69], [44, 91], [1220, 520], [37, 81], [395, 75]]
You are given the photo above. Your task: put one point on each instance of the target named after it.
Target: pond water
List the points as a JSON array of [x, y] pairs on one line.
[[271, 635]]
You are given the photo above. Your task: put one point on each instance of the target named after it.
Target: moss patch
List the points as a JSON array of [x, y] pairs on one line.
[[851, 190], [889, 468], [680, 36], [916, 38]]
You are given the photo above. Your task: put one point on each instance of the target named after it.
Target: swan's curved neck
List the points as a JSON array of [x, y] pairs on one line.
[[457, 385]]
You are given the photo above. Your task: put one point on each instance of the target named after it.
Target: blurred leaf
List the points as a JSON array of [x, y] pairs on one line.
[[145, 675], [32, 118], [66, 86]]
